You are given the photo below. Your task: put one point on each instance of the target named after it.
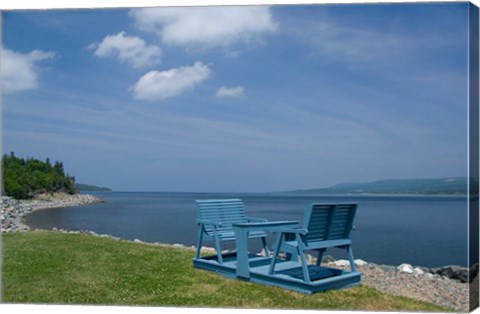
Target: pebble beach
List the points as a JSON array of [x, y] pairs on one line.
[[13, 211], [448, 286]]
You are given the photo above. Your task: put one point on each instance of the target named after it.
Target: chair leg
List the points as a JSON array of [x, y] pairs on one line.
[[306, 275], [199, 241], [271, 269], [350, 257], [218, 248], [319, 256], [291, 256], [265, 247]]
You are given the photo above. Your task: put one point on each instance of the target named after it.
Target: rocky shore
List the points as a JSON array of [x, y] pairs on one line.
[[430, 285], [13, 211], [448, 286]]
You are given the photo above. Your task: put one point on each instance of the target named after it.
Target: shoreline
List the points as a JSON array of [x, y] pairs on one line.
[[447, 286], [13, 211]]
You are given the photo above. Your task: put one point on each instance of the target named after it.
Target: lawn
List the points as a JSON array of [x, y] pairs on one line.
[[58, 268]]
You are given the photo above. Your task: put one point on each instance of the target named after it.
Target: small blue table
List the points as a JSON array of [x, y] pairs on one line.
[[241, 238]]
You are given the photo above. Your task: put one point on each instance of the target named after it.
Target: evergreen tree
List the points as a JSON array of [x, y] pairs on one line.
[[23, 179]]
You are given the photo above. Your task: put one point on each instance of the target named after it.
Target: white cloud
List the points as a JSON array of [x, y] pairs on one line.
[[157, 85], [237, 91], [129, 49], [18, 70], [205, 26]]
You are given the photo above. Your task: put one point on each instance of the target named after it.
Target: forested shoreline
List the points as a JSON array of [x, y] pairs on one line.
[[25, 178]]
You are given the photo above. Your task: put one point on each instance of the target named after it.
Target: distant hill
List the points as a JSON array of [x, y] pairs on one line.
[[454, 185], [91, 188]]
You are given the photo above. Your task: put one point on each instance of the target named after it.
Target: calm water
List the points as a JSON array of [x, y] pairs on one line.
[[422, 230]]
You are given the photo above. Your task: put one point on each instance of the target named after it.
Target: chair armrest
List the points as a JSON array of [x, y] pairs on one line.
[[254, 219], [206, 222], [291, 230]]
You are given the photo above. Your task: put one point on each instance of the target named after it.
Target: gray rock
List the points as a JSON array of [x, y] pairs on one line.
[[387, 268], [473, 272], [327, 259], [452, 272], [460, 273]]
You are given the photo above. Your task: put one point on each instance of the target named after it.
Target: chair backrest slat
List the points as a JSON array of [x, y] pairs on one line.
[[328, 221], [224, 211]]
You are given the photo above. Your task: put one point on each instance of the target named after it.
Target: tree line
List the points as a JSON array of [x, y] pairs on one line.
[[24, 178]]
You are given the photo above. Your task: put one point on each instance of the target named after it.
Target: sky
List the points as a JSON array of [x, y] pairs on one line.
[[239, 99]]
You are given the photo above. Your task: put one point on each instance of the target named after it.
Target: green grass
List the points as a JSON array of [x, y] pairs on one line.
[[56, 268]]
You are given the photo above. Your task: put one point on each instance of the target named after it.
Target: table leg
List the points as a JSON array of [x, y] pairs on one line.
[[241, 239]]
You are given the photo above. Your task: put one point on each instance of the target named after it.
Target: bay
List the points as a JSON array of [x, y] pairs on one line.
[[426, 231]]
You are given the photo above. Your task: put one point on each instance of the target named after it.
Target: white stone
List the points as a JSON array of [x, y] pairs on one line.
[[430, 276], [206, 249], [405, 268], [341, 262], [418, 271], [360, 262], [311, 259]]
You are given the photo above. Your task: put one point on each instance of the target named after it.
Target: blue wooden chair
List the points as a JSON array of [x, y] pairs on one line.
[[324, 226], [215, 219]]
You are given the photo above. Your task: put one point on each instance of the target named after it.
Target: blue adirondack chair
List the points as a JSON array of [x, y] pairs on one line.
[[324, 226], [215, 219]]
